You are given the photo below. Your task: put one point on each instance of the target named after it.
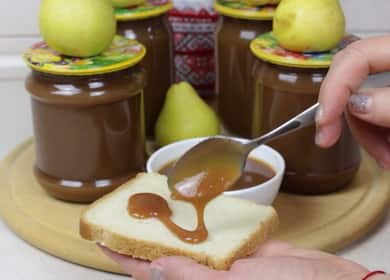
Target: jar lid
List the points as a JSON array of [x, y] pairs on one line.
[[123, 53], [267, 48], [238, 9], [150, 8]]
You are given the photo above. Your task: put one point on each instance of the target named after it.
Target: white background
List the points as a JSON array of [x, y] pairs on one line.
[[18, 29]]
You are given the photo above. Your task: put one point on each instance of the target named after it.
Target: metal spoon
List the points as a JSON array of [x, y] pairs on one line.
[[226, 154]]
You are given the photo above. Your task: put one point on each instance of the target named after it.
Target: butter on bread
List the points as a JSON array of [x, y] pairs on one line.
[[236, 227]]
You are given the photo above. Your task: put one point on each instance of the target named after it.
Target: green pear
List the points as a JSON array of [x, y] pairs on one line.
[[79, 28], [184, 115], [309, 25], [126, 3]]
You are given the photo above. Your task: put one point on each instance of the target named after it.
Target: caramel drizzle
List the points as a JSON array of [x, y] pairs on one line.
[[149, 205]]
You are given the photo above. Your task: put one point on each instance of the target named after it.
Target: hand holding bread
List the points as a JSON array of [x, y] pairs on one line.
[[236, 227], [147, 250], [274, 260]]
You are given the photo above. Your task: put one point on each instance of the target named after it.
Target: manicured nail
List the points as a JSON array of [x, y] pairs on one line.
[[319, 114], [156, 273], [360, 103]]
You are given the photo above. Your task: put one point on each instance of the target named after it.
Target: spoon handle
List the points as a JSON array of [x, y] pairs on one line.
[[304, 119]]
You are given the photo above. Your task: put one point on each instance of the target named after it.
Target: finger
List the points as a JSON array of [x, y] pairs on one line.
[[374, 139], [371, 106], [328, 134], [139, 269], [271, 248], [283, 249], [334, 94], [348, 71], [179, 268]]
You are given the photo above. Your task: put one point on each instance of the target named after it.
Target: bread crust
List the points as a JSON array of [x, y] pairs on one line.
[[150, 251]]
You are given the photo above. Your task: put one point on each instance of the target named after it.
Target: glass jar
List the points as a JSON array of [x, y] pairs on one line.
[[147, 24], [238, 26], [88, 128], [284, 91]]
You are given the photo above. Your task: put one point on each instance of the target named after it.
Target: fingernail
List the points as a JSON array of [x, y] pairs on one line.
[[318, 137], [319, 114], [360, 103], [156, 273]]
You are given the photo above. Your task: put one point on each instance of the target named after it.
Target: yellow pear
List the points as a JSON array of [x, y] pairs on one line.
[[309, 25], [77, 27], [184, 115], [261, 2]]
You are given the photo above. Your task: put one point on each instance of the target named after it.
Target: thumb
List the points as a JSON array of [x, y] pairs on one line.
[[372, 106], [180, 268]]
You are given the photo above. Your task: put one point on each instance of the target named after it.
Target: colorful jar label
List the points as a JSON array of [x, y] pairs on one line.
[[150, 8], [122, 54], [238, 9], [267, 48]]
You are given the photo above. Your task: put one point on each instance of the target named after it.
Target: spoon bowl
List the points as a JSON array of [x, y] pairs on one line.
[[218, 158], [213, 166]]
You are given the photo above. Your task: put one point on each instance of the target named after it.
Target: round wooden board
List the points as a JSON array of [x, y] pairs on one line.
[[327, 222]]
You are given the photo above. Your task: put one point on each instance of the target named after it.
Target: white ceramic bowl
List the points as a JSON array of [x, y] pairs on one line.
[[264, 193]]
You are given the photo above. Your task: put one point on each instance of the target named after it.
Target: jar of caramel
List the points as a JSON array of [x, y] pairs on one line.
[[88, 119], [146, 23], [239, 25], [286, 84]]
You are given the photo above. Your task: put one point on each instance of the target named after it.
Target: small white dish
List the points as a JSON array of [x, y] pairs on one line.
[[264, 193]]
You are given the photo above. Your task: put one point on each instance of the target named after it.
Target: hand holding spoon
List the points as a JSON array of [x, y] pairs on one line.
[[213, 165]]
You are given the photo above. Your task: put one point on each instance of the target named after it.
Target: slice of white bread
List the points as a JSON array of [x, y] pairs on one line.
[[236, 227]]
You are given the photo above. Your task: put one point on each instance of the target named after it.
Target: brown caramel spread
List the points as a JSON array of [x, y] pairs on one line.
[[147, 205], [235, 72], [89, 131], [282, 92], [153, 34]]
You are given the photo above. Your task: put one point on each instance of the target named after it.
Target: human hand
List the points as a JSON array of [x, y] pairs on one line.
[[274, 260], [367, 111]]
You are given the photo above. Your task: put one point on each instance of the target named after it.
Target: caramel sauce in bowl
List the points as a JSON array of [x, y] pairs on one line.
[[261, 191]]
